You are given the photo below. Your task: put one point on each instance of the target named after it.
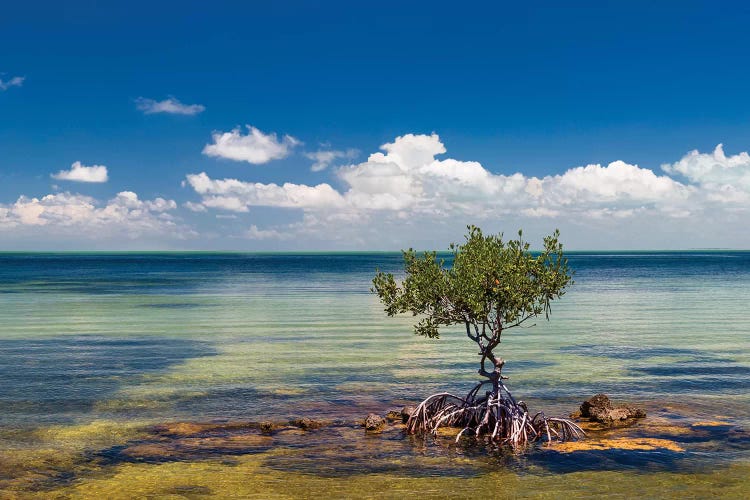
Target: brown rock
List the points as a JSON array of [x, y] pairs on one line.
[[374, 423], [636, 412], [268, 427], [307, 424], [393, 415], [599, 409], [595, 404]]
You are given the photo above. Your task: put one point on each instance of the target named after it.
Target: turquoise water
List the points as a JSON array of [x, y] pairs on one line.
[[139, 339]]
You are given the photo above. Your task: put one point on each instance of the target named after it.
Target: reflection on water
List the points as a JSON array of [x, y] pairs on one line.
[[95, 349]]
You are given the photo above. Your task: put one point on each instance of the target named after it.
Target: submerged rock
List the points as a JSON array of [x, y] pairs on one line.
[[177, 429], [193, 448], [267, 427], [374, 423], [599, 409], [393, 415], [307, 424], [623, 443]]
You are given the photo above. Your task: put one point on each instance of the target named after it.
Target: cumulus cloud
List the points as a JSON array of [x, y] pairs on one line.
[[409, 188], [256, 147], [170, 106], [619, 184], [78, 216], [723, 178], [408, 178], [15, 81], [81, 173], [232, 194], [323, 158]]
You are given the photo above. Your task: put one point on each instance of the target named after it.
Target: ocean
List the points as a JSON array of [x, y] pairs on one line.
[[101, 352]]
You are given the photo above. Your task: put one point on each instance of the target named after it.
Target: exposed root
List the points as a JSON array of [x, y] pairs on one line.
[[495, 415]]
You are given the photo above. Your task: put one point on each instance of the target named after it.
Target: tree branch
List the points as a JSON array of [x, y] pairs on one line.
[[468, 332], [518, 323]]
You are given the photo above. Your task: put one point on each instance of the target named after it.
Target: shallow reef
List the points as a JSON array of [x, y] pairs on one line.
[[661, 455]]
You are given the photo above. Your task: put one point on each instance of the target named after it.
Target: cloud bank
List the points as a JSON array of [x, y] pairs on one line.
[[409, 178], [70, 215], [408, 185], [409, 193]]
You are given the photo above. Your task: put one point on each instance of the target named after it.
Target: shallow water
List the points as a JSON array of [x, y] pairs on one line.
[[97, 348]]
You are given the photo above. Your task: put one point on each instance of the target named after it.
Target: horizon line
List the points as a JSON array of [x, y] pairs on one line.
[[333, 252]]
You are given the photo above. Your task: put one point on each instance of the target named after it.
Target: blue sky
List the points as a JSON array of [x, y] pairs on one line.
[[505, 115]]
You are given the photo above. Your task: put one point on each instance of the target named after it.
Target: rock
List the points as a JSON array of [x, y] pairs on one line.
[[615, 414], [268, 427], [407, 412], [595, 404], [177, 429], [636, 412], [374, 423], [393, 415], [599, 409], [307, 424]]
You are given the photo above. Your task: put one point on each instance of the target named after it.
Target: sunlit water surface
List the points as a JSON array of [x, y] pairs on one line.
[[94, 348]]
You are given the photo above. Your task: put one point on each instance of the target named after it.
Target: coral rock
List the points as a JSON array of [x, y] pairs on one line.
[[599, 409], [374, 423]]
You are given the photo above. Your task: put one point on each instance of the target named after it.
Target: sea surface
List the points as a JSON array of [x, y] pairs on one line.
[[100, 353]]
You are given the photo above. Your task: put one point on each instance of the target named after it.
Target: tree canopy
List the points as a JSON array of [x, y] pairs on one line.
[[493, 285]]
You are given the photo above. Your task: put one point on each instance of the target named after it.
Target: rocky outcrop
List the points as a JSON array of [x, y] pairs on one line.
[[599, 408]]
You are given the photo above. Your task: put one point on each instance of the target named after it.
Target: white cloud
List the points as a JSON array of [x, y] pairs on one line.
[[323, 158], [194, 207], [78, 216], [408, 179], [619, 185], [266, 234], [232, 194], [81, 173], [407, 191], [256, 147], [725, 177], [230, 203], [15, 81], [170, 106], [129, 199]]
